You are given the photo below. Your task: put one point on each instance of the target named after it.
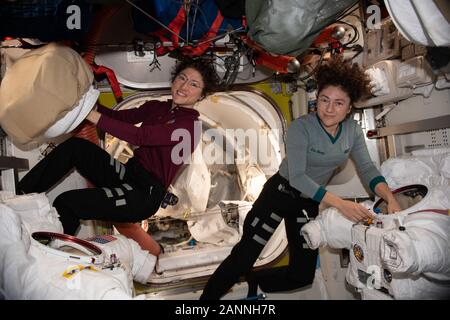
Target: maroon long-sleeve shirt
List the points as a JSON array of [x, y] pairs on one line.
[[153, 137]]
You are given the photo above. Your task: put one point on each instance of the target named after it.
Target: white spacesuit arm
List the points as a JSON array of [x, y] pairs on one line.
[[14, 260], [329, 228], [14, 264], [313, 233], [436, 260], [143, 262], [35, 212]]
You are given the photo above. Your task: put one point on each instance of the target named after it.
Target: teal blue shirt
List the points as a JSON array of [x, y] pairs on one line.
[[312, 155]]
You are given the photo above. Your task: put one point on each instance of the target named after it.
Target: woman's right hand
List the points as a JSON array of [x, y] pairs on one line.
[[354, 211]]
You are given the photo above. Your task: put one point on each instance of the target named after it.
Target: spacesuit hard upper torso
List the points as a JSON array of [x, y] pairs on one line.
[[59, 269], [407, 254], [66, 277], [404, 255]]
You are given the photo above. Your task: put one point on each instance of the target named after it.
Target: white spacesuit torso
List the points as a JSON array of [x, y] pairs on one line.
[[39, 262], [405, 255]]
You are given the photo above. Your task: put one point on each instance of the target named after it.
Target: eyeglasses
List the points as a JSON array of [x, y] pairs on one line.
[[191, 83], [323, 101]]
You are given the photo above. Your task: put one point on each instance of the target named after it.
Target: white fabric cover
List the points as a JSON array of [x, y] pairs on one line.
[[212, 228], [429, 167], [252, 177], [35, 213], [27, 271], [40, 88], [192, 187], [442, 156], [378, 80], [420, 21], [74, 117]]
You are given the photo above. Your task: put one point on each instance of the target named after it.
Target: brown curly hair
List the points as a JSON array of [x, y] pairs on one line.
[[349, 77]]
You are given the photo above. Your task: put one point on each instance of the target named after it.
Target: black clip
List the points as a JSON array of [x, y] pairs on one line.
[[282, 188], [169, 200], [138, 47]]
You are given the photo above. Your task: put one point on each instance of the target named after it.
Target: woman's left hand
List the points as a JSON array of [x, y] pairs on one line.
[[383, 191], [393, 206]]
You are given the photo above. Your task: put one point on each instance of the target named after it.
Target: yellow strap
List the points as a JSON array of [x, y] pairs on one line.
[[71, 271]]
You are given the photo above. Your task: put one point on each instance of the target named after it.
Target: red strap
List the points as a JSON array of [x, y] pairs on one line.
[[198, 50], [98, 70], [175, 25], [278, 63], [244, 22]]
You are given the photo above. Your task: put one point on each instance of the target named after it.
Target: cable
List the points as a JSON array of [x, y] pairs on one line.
[[348, 11], [315, 68], [195, 215], [202, 13], [355, 37], [195, 17]]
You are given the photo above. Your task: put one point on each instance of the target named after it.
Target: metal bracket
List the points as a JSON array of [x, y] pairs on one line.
[[386, 110], [411, 127]]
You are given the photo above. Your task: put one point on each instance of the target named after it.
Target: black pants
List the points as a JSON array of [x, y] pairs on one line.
[[123, 193], [277, 200]]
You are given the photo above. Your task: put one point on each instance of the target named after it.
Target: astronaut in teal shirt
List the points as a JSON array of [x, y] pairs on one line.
[[317, 144], [311, 170]]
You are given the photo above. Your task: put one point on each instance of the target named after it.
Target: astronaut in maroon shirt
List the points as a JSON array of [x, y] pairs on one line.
[[133, 191]]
